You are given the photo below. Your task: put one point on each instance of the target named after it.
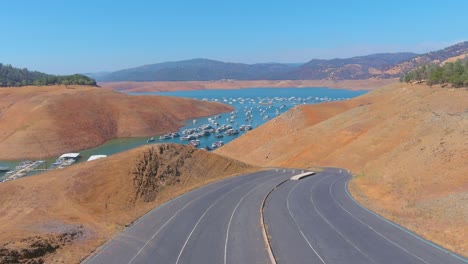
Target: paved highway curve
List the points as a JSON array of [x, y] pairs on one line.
[[313, 220]]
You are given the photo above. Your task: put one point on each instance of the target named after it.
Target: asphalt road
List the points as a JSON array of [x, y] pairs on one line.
[[218, 223], [313, 220]]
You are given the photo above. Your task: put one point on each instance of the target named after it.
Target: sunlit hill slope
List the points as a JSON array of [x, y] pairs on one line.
[[39, 122], [406, 144]]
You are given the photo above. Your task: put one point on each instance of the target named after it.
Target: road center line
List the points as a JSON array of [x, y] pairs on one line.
[[332, 226], [157, 232], [232, 215], [206, 211], [300, 230]]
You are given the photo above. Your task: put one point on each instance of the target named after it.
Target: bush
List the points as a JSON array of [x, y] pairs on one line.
[[455, 73], [11, 76]]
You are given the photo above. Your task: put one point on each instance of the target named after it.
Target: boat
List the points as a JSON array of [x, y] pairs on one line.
[[265, 103], [4, 168], [208, 148], [66, 159], [231, 131], [245, 127], [195, 142], [150, 140], [189, 137], [217, 144], [166, 136]]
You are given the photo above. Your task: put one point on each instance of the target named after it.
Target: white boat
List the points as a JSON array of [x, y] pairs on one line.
[[195, 142], [217, 144], [166, 136]]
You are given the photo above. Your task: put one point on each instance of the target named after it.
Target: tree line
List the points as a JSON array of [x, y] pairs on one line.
[[16, 77], [455, 73]]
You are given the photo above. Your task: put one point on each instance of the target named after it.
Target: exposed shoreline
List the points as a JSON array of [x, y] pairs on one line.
[[369, 84], [42, 122]]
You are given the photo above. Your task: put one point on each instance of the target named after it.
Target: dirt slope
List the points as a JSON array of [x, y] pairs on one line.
[[202, 85], [39, 122], [71, 202], [407, 145]]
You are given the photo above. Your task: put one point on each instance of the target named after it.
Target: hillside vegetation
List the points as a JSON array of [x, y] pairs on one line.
[[455, 73], [60, 216], [407, 146], [15, 77], [46, 121], [449, 54]]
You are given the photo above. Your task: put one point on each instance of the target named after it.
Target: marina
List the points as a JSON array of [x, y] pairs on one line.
[[252, 108], [22, 169], [28, 167], [65, 160]]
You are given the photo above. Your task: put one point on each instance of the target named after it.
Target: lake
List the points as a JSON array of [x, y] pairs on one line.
[[253, 107]]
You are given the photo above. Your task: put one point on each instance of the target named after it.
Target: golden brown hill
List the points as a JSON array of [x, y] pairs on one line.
[[67, 207], [407, 146], [39, 122], [368, 84]]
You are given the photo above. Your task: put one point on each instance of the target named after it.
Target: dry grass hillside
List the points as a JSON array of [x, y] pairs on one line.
[[407, 145], [63, 212], [368, 84], [39, 122]]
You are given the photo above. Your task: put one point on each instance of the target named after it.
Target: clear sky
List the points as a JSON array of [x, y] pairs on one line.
[[62, 37]]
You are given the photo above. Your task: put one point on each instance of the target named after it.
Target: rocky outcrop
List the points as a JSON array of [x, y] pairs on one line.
[[32, 250], [153, 171]]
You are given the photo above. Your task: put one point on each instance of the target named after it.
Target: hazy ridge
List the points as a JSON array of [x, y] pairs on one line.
[[381, 66]]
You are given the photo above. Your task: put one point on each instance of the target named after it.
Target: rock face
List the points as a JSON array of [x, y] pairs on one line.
[[152, 172], [32, 250]]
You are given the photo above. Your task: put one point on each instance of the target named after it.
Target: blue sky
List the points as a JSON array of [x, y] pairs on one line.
[[63, 37]]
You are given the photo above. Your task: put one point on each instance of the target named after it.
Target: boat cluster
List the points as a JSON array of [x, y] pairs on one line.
[[273, 100], [22, 169], [249, 113], [207, 130]]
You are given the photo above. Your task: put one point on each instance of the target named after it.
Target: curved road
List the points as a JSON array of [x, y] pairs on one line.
[[313, 220]]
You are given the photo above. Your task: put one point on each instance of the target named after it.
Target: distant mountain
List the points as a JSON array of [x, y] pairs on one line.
[[451, 53], [96, 75], [381, 66], [362, 67], [198, 70]]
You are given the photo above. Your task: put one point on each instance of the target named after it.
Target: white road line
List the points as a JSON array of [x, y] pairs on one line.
[[332, 226], [400, 247], [232, 215], [199, 220], [404, 230], [159, 230], [300, 230]]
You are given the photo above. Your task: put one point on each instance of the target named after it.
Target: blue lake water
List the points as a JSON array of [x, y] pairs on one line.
[[253, 106]]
